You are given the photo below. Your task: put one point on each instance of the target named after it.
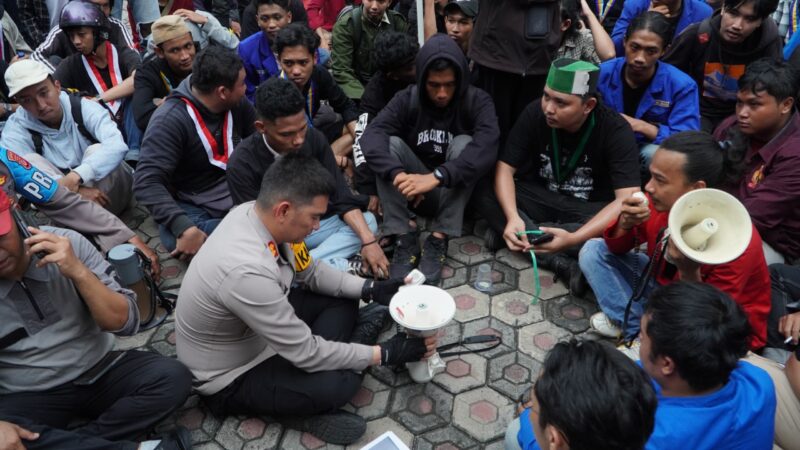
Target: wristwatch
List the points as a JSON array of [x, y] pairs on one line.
[[438, 174]]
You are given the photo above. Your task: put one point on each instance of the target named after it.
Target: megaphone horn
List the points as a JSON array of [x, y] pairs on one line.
[[710, 226]]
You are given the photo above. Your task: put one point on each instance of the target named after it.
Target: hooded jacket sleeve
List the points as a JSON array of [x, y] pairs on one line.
[[342, 47], [113, 147], [216, 33], [375, 140], [681, 53], [338, 100], [480, 155], [161, 151]]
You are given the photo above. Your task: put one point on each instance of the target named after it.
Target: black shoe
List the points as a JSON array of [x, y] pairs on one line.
[[434, 251], [406, 255], [372, 319], [177, 439], [568, 270], [492, 240], [339, 427]]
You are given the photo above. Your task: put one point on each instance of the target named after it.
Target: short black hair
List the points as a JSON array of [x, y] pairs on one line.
[[281, 3], [295, 177], [394, 50], [777, 77], [700, 328], [278, 97], [762, 8], [596, 397], [653, 22], [215, 66], [296, 34], [440, 64], [570, 10], [705, 159]]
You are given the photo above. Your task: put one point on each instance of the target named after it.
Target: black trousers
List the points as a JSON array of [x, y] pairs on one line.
[[785, 290], [277, 387], [538, 207], [511, 93], [141, 390]]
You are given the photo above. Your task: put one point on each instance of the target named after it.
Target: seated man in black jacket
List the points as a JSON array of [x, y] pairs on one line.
[[283, 128], [181, 174], [297, 46], [428, 147], [175, 51]]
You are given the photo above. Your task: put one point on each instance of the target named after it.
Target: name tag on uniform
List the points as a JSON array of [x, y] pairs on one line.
[[302, 258], [662, 103]]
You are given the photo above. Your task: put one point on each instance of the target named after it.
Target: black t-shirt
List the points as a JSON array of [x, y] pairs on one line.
[[631, 97], [610, 159], [73, 75]]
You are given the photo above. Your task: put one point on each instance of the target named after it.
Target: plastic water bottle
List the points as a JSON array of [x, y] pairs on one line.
[[483, 281]]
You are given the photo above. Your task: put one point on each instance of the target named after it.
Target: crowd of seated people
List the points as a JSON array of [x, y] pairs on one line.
[[286, 150]]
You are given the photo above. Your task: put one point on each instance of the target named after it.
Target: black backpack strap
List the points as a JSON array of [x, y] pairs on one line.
[[356, 29], [36, 137], [77, 116]]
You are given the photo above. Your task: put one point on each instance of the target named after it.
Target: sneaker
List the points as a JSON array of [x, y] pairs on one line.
[[339, 427], [356, 266], [371, 321], [603, 326], [177, 439], [434, 251], [568, 270], [631, 352], [406, 255], [492, 240]]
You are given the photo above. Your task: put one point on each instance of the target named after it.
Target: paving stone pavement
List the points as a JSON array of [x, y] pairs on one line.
[[465, 407]]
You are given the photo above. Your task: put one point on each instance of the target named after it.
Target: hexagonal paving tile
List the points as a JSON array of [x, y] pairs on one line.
[[453, 274], [512, 374], [515, 308], [268, 440], [482, 413], [296, 440], [570, 312], [372, 399], [462, 373], [227, 435], [495, 327], [470, 304], [469, 250], [549, 289], [504, 278], [380, 426], [422, 407], [447, 438], [515, 260], [537, 339]]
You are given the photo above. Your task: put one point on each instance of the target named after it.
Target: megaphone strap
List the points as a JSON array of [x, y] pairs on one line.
[[479, 339], [640, 284]]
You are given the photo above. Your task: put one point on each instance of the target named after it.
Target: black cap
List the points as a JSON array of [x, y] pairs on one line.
[[468, 7]]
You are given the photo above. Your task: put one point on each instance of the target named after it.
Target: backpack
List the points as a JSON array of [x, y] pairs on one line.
[[77, 116]]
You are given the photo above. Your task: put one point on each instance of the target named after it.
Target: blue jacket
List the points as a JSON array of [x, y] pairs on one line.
[[671, 101], [793, 43], [259, 62], [693, 11]]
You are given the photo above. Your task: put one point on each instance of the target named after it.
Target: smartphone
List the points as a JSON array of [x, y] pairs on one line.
[[541, 239], [22, 221]]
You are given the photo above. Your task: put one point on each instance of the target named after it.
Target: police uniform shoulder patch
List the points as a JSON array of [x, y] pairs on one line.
[[273, 248], [302, 258]]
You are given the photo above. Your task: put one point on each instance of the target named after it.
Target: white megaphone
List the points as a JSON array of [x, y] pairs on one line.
[[710, 226], [423, 310]]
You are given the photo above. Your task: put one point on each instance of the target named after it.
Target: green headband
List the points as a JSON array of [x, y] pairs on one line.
[[572, 76]]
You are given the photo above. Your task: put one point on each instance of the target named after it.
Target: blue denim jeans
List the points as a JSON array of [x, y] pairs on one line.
[[133, 135], [198, 215], [335, 241], [612, 278]]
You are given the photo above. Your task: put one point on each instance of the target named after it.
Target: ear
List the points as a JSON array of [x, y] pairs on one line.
[[700, 184], [314, 56], [281, 210], [259, 126], [589, 105], [786, 105], [159, 51], [555, 439], [221, 92], [565, 24], [289, 16], [57, 84], [666, 366]]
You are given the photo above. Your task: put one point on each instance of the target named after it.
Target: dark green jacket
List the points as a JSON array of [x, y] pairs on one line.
[[353, 68]]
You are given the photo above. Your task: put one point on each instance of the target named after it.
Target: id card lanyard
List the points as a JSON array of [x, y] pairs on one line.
[[576, 156]]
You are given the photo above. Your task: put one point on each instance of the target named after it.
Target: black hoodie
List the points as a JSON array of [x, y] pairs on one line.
[[716, 66], [428, 130], [173, 163]]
